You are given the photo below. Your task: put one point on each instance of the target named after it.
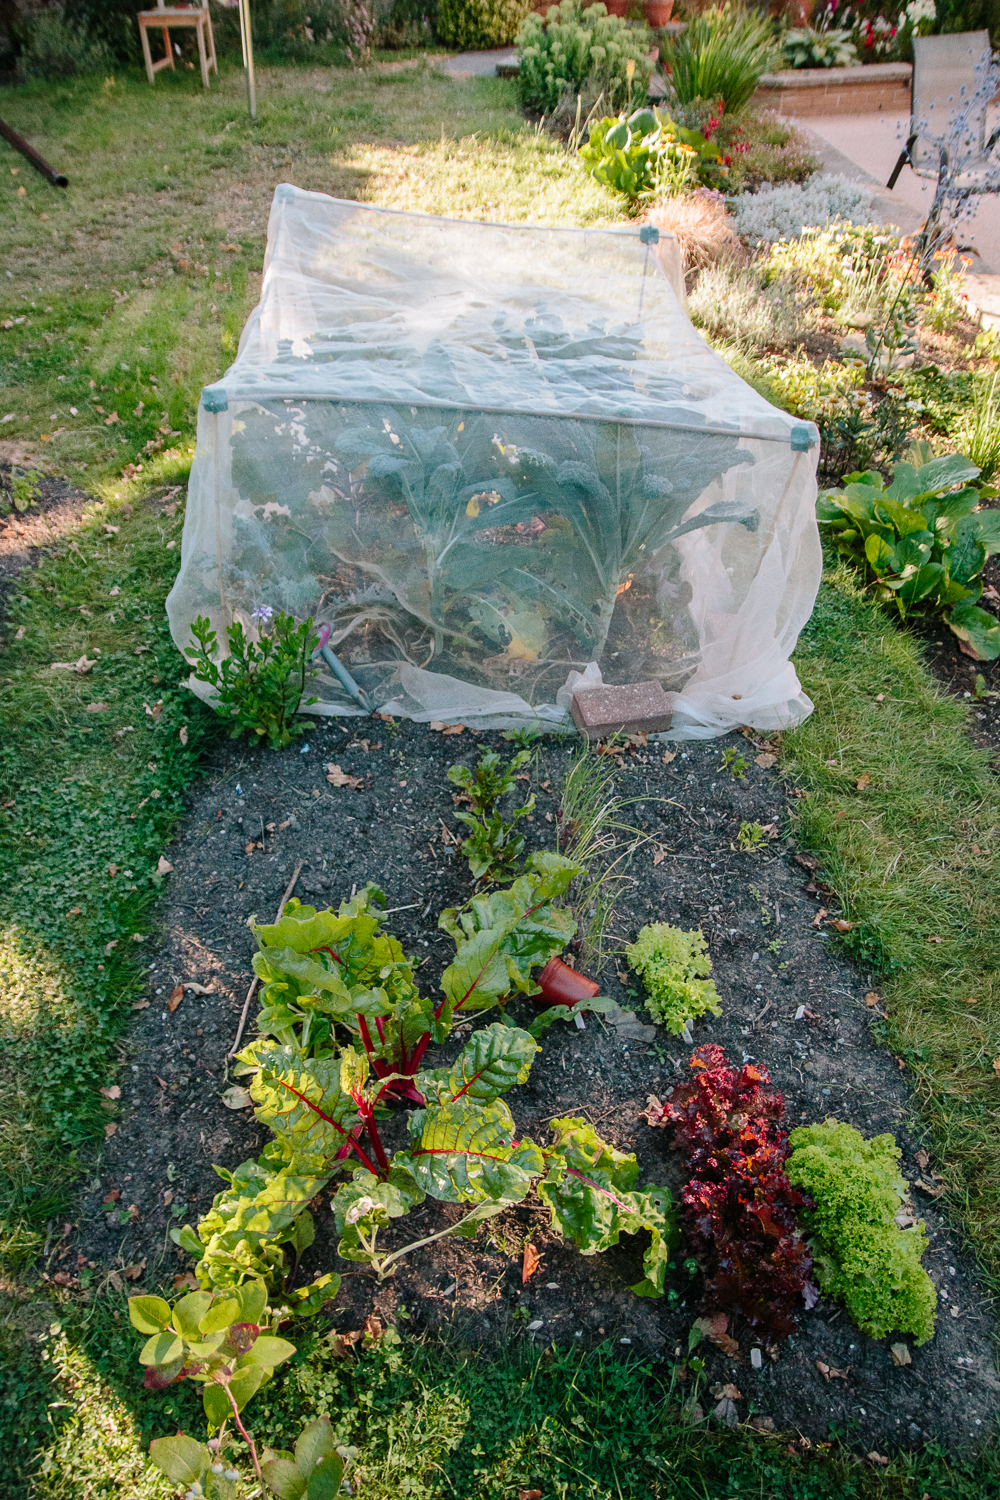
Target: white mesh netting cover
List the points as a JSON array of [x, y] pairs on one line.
[[490, 456]]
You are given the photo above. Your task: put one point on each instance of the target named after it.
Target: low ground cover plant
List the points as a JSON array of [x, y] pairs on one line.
[[777, 213], [737, 303], [259, 686], [921, 543], [866, 1243], [739, 1208], [574, 46], [674, 967]]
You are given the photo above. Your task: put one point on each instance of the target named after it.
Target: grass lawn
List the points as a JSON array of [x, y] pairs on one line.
[[133, 286]]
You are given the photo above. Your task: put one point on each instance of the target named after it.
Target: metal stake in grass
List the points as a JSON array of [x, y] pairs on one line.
[[246, 38]]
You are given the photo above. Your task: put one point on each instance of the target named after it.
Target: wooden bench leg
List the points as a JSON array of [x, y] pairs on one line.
[[147, 55], [202, 53], [168, 49], [213, 61]]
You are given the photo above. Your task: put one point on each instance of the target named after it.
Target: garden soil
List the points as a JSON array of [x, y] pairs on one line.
[[790, 1001]]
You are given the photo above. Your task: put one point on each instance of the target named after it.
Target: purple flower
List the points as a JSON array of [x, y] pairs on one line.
[[264, 612]]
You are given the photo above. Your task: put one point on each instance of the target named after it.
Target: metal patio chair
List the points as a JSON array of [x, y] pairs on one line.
[[943, 66], [162, 19]]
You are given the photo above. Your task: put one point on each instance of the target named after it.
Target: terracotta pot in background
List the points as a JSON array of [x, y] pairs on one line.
[[562, 985], [617, 7], [658, 12]]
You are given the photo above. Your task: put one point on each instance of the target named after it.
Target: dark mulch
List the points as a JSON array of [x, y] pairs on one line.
[[769, 959]]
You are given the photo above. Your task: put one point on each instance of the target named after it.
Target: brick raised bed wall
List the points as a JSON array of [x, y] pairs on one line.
[[880, 88]]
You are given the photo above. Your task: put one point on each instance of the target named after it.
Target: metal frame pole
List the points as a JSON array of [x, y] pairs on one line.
[[246, 37]]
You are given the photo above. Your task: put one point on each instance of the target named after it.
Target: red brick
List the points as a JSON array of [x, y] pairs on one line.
[[632, 707]]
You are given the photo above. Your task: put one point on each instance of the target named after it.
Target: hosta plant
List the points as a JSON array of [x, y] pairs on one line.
[[344, 1033], [921, 543], [674, 967], [645, 155], [739, 1208], [220, 1342], [803, 47]]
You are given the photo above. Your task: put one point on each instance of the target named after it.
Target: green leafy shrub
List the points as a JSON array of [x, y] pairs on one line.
[[921, 544], [572, 46], [803, 47], [723, 54], [674, 967], [260, 685], [647, 156], [477, 25], [860, 1253], [54, 47]]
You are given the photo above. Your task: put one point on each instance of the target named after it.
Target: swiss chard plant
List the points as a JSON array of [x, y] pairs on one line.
[[220, 1342], [921, 543], [260, 685], [739, 1206], [344, 1032]]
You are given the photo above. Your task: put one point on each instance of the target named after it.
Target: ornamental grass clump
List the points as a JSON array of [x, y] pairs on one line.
[[862, 1253], [674, 967], [739, 1208], [722, 54]]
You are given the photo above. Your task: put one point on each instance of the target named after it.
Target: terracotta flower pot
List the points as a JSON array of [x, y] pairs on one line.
[[617, 7], [658, 12], [562, 985]]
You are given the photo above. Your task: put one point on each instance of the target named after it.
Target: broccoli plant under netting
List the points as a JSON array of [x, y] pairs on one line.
[[489, 457]]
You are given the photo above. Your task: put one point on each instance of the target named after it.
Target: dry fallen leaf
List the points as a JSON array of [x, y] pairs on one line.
[[115, 1280], [161, 1081], [96, 708], [972, 1000], [922, 1160], [659, 856], [236, 1098], [182, 734], [931, 1189], [112, 1195], [765, 761], [873, 998], [828, 1372], [873, 1457], [134, 1271], [109, 1130], [935, 940], [453, 729], [168, 1198], [194, 988], [996, 1065], [114, 1092], [530, 1262], [529, 1495], [188, 1279], [141, 1005], [900, 1354], [863, 780], [818, 919], [163, 866], [156, 710], [19, 632], [840, 924], [176, 996], [668, 756], [337, 777]]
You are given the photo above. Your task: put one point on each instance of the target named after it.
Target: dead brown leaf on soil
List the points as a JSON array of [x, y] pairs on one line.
[[530, 1261], [176, 996], [829, 1372], [114, 1092], [900, 1354], [714, 1329], [336, 777], [863, 780]]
